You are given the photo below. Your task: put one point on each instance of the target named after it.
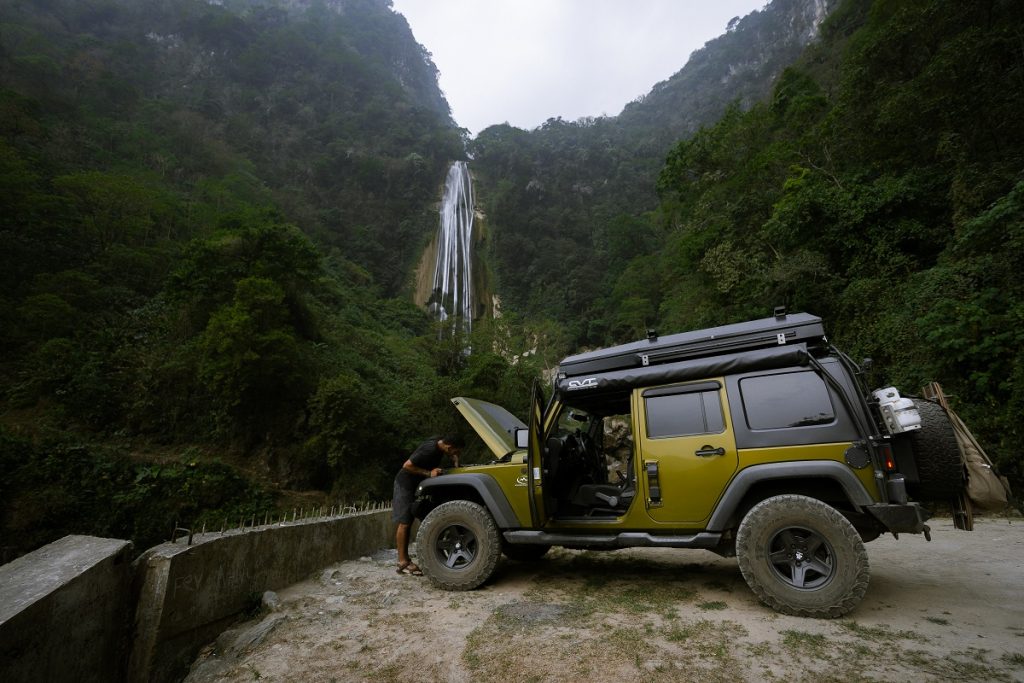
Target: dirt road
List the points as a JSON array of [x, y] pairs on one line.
[[947, 610]]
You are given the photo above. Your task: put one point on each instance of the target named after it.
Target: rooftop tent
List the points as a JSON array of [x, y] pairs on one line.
[[779, 331], [694, 368]]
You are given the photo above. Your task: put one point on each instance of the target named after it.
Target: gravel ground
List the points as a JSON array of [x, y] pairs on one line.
[[946, 610]]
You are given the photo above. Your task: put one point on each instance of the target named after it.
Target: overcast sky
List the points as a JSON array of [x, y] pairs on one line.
[[524, 61]]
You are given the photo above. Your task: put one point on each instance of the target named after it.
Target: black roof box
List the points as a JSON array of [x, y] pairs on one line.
[[754, 334]]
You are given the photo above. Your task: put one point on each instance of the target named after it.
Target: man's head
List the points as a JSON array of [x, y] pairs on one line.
[[451, 444]]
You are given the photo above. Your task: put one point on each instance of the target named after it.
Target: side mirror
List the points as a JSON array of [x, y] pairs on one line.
[[522, 437]]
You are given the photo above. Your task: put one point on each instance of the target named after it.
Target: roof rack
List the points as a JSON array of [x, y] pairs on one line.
[[777, 331]]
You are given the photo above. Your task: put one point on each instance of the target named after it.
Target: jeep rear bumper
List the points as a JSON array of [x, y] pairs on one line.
[[900, 518]]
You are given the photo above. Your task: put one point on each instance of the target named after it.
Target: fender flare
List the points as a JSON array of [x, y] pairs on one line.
[[486, 487], [813, 469]]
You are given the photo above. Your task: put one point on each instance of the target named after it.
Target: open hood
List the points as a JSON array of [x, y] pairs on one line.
[[493, 423]]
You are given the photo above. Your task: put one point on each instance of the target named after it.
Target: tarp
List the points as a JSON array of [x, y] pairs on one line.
[[986, 488]]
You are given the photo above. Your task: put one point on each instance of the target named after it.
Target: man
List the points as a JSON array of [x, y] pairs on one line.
[[424, 462]]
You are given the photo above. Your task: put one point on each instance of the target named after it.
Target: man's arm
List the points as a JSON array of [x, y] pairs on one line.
[[409, 466]]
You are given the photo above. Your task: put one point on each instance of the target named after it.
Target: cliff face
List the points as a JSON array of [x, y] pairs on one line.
[[482, 284], [740, 65]]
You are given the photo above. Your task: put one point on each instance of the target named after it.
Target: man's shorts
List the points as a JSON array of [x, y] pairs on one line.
[[401, 504]]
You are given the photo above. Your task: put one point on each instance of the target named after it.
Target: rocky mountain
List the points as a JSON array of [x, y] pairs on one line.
[[563, 200], [741, 65]]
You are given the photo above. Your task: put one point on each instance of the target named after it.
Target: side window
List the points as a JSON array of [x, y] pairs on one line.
[[671, 413], [714, 422], [793, 399]]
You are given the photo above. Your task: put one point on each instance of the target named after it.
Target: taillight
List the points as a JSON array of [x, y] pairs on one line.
[[888, 462]]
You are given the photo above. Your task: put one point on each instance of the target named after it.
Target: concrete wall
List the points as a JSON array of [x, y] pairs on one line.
[[79, 610], [65, 612], [187, 595]]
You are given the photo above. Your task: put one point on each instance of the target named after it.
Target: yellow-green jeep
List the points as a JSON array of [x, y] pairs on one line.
[[757, 440]]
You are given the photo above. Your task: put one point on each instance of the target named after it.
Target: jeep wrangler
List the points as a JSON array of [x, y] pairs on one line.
[[756, 440]]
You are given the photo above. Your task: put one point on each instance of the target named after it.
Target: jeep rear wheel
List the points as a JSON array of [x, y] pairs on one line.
[[458, 545], [800, 556]]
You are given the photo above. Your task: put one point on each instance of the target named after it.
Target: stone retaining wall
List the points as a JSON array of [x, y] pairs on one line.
[[77, 610], [65, 612]]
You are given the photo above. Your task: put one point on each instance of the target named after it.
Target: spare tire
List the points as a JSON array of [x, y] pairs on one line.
[[940, 466]]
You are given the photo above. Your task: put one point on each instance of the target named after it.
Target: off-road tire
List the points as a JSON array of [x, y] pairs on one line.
[[458, 545], [800, 556], [521, 552], [937, 455]]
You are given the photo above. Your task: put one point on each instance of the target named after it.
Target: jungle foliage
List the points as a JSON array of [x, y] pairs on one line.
[[209, 215], [878, 185], [567, 199]]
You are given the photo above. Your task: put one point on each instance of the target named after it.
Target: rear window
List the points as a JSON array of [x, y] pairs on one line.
[[794, 399]]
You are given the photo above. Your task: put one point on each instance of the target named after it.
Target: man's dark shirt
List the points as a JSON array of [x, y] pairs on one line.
[[428, 456]]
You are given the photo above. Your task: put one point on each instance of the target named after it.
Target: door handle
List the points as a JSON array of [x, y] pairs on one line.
[[708, 451], [653, 483]]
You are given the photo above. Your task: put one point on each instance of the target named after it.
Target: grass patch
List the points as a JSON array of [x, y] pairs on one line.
[[881, 634], [761, 650], [712, 605], [594, 583], [802, 640], [717, 585], [1013, 659], [679, 634], [968, 665]]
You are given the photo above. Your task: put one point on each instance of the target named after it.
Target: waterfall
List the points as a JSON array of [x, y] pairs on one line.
[[452, 295]]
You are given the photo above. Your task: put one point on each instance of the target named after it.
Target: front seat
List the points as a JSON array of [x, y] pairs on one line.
[[612, 496]]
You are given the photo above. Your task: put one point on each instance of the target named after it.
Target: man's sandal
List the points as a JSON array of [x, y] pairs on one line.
[[409, 568]]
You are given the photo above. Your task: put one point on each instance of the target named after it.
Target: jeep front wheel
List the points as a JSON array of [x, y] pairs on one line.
[[459, 545], [801, 557]]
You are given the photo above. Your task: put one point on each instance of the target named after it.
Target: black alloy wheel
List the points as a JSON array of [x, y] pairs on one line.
[[459, 545], [802, 558], [456, 546]]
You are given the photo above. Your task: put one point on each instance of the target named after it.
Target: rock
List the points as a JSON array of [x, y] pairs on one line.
[[330, 575], [271, 601], [234, 641], [653, 665]]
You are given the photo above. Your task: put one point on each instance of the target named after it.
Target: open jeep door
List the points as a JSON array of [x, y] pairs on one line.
[[534, 464]]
